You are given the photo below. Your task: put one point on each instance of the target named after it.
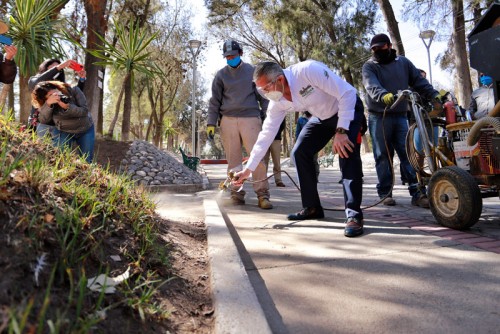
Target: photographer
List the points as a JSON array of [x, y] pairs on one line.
[[66, 106], [51, 69]]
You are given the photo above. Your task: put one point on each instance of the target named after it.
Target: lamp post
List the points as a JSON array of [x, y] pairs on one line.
[[428, 34], [198, 146], [194, 47]]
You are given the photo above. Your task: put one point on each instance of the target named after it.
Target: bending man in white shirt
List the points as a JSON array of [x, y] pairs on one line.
[[312, 86]]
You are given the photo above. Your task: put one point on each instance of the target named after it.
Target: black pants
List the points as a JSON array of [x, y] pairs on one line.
[[313, 137]]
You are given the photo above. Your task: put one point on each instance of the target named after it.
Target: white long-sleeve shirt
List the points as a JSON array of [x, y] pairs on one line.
[[315, 88]]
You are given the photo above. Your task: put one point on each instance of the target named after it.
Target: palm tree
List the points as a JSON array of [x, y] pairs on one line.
[[128, 55], [33, 27]]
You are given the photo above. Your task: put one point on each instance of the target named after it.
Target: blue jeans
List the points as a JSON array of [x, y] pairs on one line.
[[396, 128], [84, 141], [417, 138]]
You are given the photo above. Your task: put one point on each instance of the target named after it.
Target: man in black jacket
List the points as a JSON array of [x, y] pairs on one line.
[[383, 76]]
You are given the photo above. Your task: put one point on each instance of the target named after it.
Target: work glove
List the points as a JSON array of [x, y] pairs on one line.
[[388, 99], [210, 131], [437, 106]]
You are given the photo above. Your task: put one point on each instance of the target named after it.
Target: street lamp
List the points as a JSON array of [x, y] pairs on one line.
[[194, 47], [428, 34]]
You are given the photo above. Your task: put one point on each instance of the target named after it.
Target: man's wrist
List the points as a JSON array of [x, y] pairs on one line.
[[341, 131]]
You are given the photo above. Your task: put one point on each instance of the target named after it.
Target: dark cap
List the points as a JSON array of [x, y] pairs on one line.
[[379, 40], [231, 48]]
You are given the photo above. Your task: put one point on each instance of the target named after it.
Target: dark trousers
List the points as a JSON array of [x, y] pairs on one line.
[[313, 137]]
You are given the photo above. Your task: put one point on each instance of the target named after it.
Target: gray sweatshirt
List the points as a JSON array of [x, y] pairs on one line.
[[234, 94], [399, 74]]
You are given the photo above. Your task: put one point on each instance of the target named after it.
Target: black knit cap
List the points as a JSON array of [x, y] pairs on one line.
[[379, 40], [231, 48]]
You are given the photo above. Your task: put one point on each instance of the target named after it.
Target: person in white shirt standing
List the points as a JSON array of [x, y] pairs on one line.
[[312, 86]]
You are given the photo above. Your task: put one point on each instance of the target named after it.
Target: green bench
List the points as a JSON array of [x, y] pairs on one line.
[[327, 160], [190, 162]]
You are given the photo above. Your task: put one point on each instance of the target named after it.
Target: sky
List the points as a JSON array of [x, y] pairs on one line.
[[211, 58]]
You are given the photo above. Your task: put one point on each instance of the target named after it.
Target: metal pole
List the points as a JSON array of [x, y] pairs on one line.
[[193, 110], [429, 62], [198, 146]]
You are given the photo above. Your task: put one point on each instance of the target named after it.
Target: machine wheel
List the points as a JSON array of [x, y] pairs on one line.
[[455, 198]]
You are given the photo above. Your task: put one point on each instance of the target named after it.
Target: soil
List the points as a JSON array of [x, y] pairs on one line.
[[189, 297]]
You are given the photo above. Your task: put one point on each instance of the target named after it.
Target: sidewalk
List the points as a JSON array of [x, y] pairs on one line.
[[406, 274]]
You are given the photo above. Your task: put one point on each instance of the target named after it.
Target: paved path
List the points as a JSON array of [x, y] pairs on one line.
[[406, 274]]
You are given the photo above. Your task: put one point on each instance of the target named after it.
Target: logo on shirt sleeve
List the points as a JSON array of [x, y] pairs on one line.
[[306, 91], [326, 74]]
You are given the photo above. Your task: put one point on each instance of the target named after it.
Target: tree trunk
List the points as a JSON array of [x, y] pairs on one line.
[[12, 99], [96, 24], [3, 98], [392, 26], [24, 99], [459, 50], [117, 110], [127, 107]]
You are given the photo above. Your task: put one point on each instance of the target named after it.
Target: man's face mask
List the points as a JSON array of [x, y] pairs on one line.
[[486, 80], [233, 62], [382, 55], [272, 95]]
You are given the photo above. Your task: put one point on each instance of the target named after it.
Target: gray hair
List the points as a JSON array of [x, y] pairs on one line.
[[269, 69]]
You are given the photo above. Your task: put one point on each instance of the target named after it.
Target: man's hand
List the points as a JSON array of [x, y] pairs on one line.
[[388, 99], [210, 131], [342, 144], [240, 177]]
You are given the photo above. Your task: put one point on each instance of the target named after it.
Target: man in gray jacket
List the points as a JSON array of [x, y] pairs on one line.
[[235, 99], [383, 76]]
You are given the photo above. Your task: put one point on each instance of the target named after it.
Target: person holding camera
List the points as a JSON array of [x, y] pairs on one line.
[[66, 107], [8, 68], [52, 69]]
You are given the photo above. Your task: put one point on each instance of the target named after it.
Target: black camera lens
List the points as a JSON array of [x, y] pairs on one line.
[[64, 98]]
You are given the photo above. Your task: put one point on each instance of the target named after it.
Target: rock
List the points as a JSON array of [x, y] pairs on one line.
[[149, 165]]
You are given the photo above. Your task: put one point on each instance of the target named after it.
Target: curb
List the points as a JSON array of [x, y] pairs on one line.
[[237, 309]]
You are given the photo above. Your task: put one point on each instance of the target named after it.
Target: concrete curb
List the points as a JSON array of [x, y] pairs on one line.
[[237, 309]]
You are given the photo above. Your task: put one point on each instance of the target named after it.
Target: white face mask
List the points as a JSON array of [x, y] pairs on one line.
[[274, 96]]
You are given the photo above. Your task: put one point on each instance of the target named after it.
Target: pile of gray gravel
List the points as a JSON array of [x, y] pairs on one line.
[[151, 166]]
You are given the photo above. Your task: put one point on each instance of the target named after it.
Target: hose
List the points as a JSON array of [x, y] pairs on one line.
[[475, 131]]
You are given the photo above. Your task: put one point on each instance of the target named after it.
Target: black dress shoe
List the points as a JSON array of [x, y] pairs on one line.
[[307, 213]]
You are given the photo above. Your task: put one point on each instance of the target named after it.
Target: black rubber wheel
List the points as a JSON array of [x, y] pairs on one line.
[[455, 198]]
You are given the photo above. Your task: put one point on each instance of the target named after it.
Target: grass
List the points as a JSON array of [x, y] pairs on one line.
[[64, 213]]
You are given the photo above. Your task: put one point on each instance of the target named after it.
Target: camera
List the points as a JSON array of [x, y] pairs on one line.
[[63, 98]]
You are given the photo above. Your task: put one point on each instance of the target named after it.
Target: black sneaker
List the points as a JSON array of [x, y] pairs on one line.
[[307, 213], [353, 227]]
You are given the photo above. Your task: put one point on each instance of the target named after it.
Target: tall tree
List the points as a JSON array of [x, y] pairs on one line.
[[392, 25], [96, 25], [129, 55], [460, 53]]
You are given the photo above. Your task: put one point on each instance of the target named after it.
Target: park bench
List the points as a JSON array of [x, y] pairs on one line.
[[190, 162], [327, 160]]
